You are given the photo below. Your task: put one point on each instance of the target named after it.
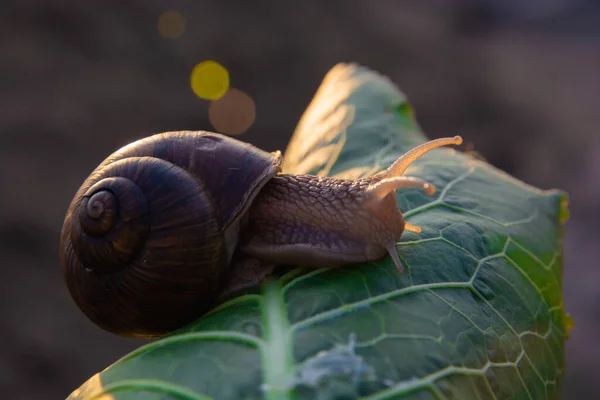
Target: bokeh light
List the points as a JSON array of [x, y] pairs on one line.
[[233, 113], [171, 24], [209, 80]]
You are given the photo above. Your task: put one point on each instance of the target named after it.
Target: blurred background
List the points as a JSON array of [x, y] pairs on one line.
[[520, 80]]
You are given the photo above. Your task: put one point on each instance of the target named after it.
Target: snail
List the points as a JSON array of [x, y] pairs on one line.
[[150, 235]]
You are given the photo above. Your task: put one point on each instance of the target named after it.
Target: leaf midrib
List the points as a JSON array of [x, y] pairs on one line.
[[277, 359]]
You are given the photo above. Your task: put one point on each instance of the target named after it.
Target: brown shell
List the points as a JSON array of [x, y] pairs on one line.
[[149, 235], [232, 171]]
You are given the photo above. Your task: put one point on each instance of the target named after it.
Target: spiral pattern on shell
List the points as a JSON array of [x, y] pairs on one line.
[[112, 224], [144, 251], [147, 240]]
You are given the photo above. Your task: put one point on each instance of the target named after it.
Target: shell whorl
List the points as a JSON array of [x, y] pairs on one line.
[[148, 236], [143, 237], [111, 224]]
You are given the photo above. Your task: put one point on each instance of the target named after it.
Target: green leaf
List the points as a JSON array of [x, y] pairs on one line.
[[477, 314]]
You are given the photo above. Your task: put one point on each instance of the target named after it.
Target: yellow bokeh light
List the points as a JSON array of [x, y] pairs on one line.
[[233, 113], [209, 80], [171, 24]]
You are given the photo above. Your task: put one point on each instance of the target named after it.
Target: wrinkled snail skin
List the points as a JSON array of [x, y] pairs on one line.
[[321, 222], [149, 237], [325, 222]]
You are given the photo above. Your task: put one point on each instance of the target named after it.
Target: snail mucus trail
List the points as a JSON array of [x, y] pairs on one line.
[[149, 237]]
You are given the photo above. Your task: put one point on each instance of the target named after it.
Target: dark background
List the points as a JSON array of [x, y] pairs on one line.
[[78, 79]]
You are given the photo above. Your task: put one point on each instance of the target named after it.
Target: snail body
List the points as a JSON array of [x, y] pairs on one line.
[[149, 237]]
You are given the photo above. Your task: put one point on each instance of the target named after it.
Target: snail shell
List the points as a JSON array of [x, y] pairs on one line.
[[149, 236]]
